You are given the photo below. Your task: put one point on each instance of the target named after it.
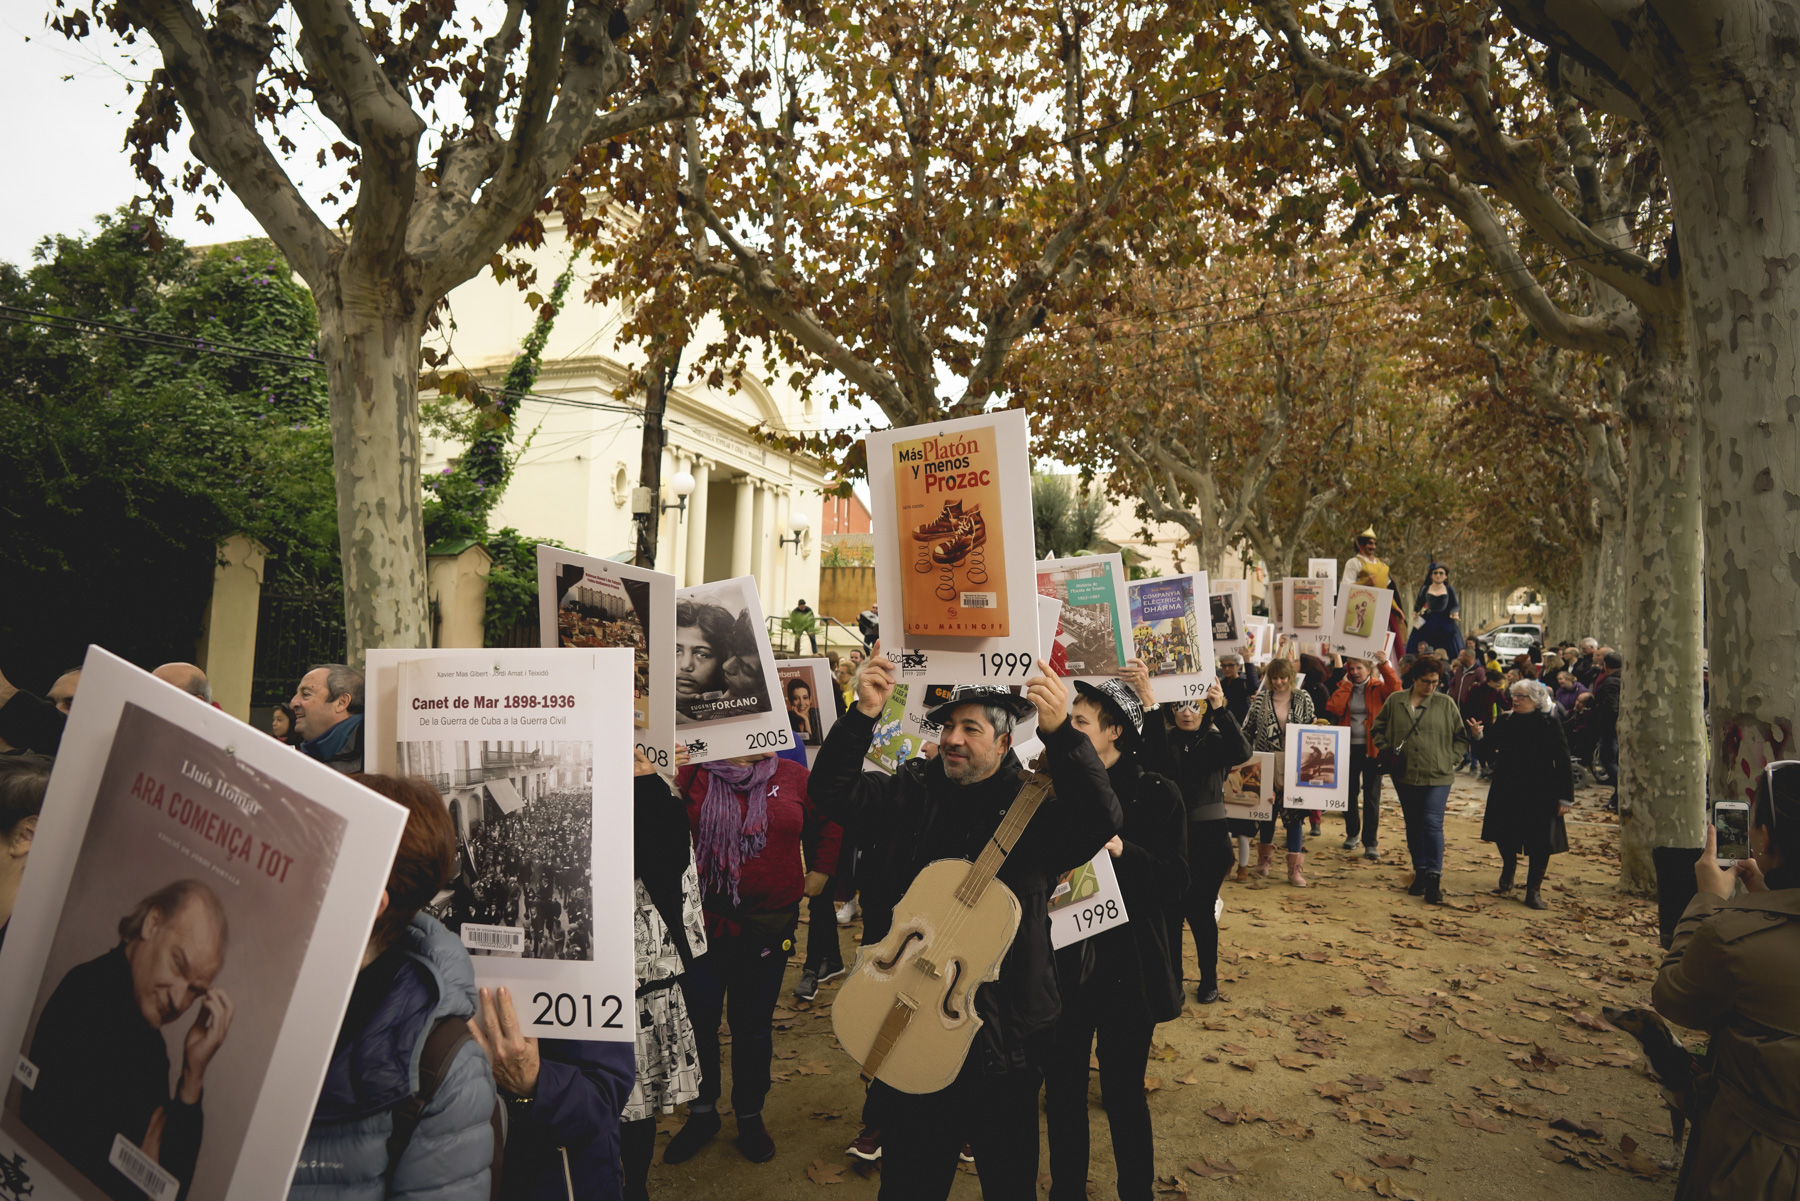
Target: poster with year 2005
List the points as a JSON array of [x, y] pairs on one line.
[[954, 548], [531, 750], [182, 951], [588, 603]]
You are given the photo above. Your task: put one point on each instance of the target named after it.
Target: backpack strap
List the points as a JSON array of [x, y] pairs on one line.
[[445, 1038]]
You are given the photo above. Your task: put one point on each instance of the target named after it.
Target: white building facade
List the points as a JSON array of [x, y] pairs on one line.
[[753, 510]]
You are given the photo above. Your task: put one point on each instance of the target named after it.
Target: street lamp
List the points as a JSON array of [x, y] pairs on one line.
[[799, 523], [682, 485]]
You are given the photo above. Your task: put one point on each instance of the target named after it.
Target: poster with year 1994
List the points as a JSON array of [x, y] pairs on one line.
[[531, 750]]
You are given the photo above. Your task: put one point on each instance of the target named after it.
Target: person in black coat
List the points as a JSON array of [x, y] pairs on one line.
[[949, 807], [1118, 984], [1196, 746], [1532, 789]]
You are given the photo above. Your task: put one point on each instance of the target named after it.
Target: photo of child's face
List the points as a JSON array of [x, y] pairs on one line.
[[698, 666]]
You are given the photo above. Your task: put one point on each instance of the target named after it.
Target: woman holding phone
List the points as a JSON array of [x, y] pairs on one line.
[[1730, 971]]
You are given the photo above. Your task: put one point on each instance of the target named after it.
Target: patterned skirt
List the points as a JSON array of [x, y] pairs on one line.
[[668, 1062]]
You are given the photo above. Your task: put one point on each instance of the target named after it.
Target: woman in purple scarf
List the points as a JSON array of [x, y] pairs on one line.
[[759, 846]]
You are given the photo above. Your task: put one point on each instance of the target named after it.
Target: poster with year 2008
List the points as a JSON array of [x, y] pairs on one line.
[[588, 603], [531, 750], [954, 549]]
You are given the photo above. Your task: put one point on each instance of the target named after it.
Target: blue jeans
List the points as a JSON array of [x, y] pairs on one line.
[[1422, 805], [739, 978]]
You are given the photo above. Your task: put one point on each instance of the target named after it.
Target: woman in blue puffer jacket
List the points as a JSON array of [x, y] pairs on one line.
[[414, 973]]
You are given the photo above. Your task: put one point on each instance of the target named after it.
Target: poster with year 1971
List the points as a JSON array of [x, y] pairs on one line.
[[182, 951], [531, 750]]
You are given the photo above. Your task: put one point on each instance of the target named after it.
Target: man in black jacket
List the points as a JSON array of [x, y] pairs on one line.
[[950, 807], [1606, 714], [1119, 983]]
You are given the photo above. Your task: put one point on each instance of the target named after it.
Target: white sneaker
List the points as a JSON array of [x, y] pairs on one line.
[[1218, 907], [846, 913]]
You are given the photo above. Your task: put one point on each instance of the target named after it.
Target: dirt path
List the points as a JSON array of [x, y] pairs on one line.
[[1358, 1025]]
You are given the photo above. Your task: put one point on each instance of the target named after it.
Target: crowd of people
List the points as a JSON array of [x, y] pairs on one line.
[[726, 854]]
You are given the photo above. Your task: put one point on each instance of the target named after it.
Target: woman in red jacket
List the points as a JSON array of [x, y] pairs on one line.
[[1358, 699], [759, 846]]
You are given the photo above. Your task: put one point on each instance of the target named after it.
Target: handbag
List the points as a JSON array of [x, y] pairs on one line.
[[1393, 760]]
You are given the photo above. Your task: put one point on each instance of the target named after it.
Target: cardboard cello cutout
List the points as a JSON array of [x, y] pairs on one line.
[[907, 1012]]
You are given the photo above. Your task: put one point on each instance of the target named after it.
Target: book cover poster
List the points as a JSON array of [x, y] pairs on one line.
[[806, 688], [948, 503], [591, 603], [1361, 626], [1306, 604], [528, 750], [892, 744], [1086, 901], [1171, 633], [176, 974], [951, 509], [1229, 603], [1316, 761], [1324, 569], [1250, 787], [1090, 636], [726, 686]]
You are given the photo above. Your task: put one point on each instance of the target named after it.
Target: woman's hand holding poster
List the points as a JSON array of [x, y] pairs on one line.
[[182, 952], [953, 549]]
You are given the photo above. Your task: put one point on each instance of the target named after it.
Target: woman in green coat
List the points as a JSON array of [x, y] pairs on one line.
[[1426, 729]]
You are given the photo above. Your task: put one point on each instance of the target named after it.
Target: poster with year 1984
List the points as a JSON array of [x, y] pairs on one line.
[[531, 750]]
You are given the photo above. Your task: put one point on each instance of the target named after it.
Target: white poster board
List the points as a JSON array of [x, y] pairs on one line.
[[1306, 608], [1316, 768], [1092, 633], [806, 687], [531, 750], [951, 504], [1171, 633], [163, 811], [1229, 601], [1361, 627], [727, 694], [1324, 569], [1086, 901], [590, 603], [1260, 646], [1250, 788]]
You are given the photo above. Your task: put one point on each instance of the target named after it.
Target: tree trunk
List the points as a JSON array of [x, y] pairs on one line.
[[370, 344], [1662, 747], [656, 403], [1731, 166]]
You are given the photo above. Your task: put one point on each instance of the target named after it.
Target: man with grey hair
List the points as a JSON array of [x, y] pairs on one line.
[[1589, 665], [328, 715], [188, 678], [101, 1060], [951, 807]]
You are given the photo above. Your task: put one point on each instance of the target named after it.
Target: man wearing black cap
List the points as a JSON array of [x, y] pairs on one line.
[[1121, 982], [950, 807]]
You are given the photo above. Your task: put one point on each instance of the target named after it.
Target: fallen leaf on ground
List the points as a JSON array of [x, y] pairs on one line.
[[1220, 1113], [1461, 1061], [1390, 1161], [1366, 1084], [827, 1115], [1414, 1075], [1152, 1083], [1354, 1183], [813, 1067], [820, 1174], [1190, 1078], [1421, 1034], [1546, 1084], [1172, 1185], [1296, 1063], [1215, 1169]]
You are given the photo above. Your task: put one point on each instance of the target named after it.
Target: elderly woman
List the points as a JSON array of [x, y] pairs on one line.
[[1424, 729], [1272, 711], [1730, 971], [1532, 788]]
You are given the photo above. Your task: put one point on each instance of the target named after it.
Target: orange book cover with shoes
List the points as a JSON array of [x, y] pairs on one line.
[[948, 508]]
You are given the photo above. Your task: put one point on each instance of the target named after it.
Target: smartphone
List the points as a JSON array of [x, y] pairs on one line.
[[1732, 821]]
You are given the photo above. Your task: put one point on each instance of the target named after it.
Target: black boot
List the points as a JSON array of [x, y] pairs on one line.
[[1534, 900], [1434, 894], [1417, 887], [753, 1139], [1207, 993], [1505, 887], [694, 1134]]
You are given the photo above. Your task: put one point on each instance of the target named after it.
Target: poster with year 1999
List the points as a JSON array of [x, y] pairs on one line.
[[531, 750]]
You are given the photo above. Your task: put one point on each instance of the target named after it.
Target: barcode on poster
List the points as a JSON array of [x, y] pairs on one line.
[[25, 1072], [980, 600], [494, 938], [142, 1171]]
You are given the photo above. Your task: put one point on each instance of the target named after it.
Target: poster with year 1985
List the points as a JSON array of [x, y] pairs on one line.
[[531, 750]]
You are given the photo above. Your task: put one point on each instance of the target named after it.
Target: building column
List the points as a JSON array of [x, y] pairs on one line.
[[759, 540], [696, 535], [677, 564], [742, 527], [779, 600]]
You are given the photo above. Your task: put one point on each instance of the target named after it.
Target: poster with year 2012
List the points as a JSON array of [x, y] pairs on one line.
[[531, 750], [182, 951], [954, 548]]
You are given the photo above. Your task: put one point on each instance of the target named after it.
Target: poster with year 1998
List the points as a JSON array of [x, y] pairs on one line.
[[531, 750]]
